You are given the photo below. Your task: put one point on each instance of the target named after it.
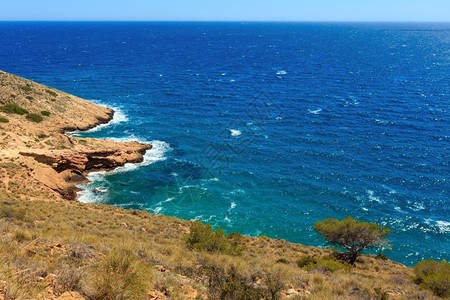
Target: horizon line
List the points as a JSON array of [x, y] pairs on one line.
[[240, 21]]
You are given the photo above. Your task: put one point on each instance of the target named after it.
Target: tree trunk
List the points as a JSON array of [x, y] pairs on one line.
[[353, 256]]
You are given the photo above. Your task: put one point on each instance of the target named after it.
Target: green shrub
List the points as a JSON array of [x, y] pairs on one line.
[[236, 246], [383, 295], [229, 284], [333, 265], [3, 120], [328, 263], [26, 88], [45, 113], [120, 276], [305, 261], [29, 98], [203, 237], [274, 282], [21, 236], [53, 100], [52, 93], [13, 109], [9, 212], [34, 118], [69, 279], [434, 276], [282, 261], [381, 256]]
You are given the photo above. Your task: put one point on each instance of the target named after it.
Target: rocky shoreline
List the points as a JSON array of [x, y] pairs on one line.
[[51, 157]]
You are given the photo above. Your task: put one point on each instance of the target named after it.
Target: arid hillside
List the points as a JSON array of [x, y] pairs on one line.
[[34, 118]]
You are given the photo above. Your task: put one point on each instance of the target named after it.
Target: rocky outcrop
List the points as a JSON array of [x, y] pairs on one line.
[[62, 170], [82, 162], [56, 160]]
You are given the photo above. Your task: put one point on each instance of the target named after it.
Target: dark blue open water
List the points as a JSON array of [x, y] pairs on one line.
[[265, 128]]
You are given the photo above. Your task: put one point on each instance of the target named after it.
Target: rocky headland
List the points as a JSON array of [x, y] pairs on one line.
[[57, 160]]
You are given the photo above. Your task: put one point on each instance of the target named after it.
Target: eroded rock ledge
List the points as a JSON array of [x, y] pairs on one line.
[[82, 162], [62, 170]]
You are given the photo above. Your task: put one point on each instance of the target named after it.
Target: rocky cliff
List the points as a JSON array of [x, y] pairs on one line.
[[34, 119]]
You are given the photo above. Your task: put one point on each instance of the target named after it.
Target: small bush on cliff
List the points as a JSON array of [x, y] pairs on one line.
[[203, 237], [352, 235], [305, 261], [34, 118], [328, 263], [434, 276], [229, 284], [121, 276], [45, 113], [4, 120], [26, 88], [69, 279], [13, 109], [52, 93], [9, 212]]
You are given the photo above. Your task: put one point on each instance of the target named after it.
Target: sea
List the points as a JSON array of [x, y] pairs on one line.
[[264, 128]]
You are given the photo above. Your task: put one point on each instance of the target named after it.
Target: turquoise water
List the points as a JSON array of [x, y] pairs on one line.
[[264, 128]]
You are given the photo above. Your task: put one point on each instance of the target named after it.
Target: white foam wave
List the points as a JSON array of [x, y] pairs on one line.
[[418, 206], [314, 111], [397, 208], [235, 132], [119, 117], [87, 196], [157, 153], [237, 192], [391, 190], [88, 193], [444, 226], [373, 198], [282, 72]]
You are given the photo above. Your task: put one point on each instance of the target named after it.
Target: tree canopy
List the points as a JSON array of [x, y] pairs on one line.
[[352, 235]]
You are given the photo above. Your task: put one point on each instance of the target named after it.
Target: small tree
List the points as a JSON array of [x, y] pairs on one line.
[[434, 275], [352, 235]]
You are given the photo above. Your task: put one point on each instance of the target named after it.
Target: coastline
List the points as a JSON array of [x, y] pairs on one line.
[[78, 190], [40, 166], [55, 158]]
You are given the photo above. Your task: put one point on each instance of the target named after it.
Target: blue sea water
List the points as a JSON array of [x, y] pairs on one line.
[[264, 128]]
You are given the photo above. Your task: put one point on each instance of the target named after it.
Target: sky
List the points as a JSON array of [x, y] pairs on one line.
[[225, 10]]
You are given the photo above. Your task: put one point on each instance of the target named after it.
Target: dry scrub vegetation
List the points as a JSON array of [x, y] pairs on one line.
[[49, 246]]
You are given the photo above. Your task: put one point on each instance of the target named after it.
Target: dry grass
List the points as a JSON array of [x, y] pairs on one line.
[[50, 246]]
